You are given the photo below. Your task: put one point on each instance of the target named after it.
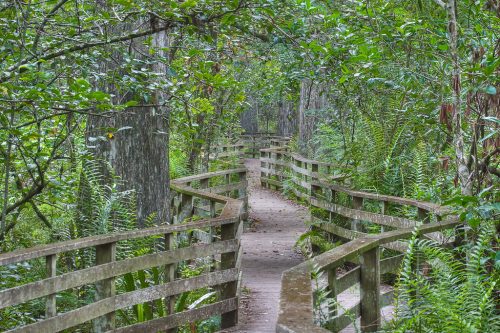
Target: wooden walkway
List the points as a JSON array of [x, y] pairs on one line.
[[268, 250]]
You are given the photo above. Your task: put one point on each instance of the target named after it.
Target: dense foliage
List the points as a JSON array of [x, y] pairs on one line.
[[403, 95]]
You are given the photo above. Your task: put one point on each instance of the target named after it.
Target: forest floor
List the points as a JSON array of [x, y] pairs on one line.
[[268, 250]]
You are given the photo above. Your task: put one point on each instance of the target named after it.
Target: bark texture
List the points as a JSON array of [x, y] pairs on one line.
[[458, 136], [249, 121], [139, 156], [313, 98], [138, 151], [288, 118]]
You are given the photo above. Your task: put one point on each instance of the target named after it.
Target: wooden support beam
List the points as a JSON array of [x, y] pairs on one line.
[[332, 281], [170, 277], [357, 203], [50, 305], [384, 209], [370, 290], [105, 253], [230, 289], [242, 194]]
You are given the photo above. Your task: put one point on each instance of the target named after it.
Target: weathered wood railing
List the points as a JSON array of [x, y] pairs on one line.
[[246, 146], [345, 214], [190, 195]]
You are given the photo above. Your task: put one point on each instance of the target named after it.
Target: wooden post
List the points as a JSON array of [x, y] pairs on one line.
[[105, 253], [254, 147], [384, 211], [357, 203], [230, 289], [170, 277], [50, 305], [314, 168], [204, 185], [316, 190], [213, 213], [262, 165], [269, 166], [242, 194], [296, 174], [272, 170], [186, 209], [370, 290], [304, 177], [332, 280], [280, 168]]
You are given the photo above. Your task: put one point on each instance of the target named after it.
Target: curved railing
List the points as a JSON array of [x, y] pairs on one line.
[[219, 197], [248, 145], [345, 214]]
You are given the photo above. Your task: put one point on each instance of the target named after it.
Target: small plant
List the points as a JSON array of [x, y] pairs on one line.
[[453, 295]]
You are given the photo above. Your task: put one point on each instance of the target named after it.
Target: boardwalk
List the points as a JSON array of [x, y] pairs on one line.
[[268, 251]]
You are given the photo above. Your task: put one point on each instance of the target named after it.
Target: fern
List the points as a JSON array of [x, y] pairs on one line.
[[454, 296]]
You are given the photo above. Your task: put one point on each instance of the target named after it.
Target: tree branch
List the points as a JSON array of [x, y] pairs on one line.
[[441, 3]]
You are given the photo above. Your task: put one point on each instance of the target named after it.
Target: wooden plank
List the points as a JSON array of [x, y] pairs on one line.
[[428, 206], [273, 172], [274, 161], [300, 170], [392, 221], [229, 259], [181, 318], [347, 280], [296, 313], [105, 306], [105, 288], [340, 322], [370, 290], [391, 265], [85, 276], [207, 175], [270, 181], [350, 235], [334, 229], [227, 187], [50, 249], [50, 303]]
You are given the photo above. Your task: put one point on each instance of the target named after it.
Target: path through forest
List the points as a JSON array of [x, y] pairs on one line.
[[268, 250]]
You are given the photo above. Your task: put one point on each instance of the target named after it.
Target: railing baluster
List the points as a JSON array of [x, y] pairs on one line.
[[230, 289], [384, 211], [50, 305], [242, 194], [105, 253], [170, 277], [357, 203], [332, 280], [370, 290]]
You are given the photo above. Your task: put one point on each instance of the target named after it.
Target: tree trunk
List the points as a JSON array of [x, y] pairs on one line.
[[458, 136], [139, 156], [249, 121], [313, 98], [287, 118], [138, 149]]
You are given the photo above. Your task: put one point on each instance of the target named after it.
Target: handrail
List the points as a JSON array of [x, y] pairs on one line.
[[185, 201], [342, 213]]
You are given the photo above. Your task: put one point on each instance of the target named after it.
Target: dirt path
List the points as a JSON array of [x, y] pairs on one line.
[[268, 251]]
